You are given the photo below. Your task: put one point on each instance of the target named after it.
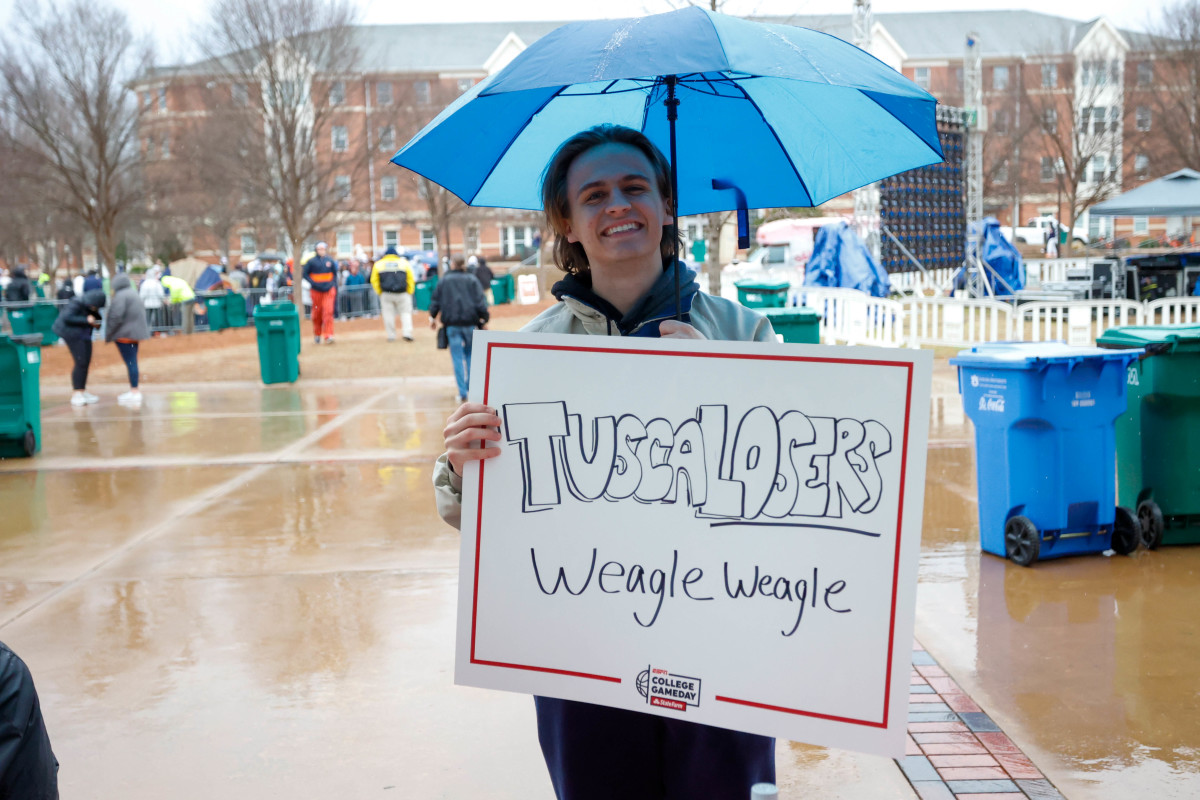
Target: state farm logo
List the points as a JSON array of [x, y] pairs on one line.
[[663, 689]]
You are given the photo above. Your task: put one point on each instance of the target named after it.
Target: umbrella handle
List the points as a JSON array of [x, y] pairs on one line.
[[743, 213]]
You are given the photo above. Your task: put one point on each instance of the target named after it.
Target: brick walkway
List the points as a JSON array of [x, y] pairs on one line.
[[955, 751]]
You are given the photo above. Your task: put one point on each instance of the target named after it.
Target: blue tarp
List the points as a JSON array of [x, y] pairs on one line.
[[1001, 256], [839, 258], [210, 277]]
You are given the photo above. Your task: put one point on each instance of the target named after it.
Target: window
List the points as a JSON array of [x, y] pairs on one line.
[[1143, 118], [1141, 165], [999, 78], [517, 241], [166, 145], [464, 84], [337, 93], [1099, 168], [1001, 175], [391, 239], [1141, 224], [471, 238], [162, 98], [999, 121], [428, 239], [421, 91], [383, 93], [345, 243], [249, 244], [1049, 76], [341, 139], [1050, 120], [239, 95], [1145, 73], [1093, 120], [1047, 169], [147, 100], [387, 139], [151, 149], [387, 187], [341, 184], [921, 77]]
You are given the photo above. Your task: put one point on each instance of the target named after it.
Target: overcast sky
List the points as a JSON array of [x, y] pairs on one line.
[[172, 22]]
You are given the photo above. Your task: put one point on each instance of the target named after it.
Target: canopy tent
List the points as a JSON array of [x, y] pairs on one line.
[[840, 258], [1174, 195]]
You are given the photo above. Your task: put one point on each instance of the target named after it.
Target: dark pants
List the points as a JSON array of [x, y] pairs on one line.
[[128, 351], [599, 753], [81, 352]]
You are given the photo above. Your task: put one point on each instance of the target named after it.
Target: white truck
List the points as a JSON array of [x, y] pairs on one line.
[[1034, 232], [783, 247]]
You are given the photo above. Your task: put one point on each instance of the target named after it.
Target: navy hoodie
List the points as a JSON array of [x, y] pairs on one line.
[[657, 305]]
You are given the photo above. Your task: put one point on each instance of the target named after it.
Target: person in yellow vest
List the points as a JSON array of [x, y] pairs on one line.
[[180, 294], [392, 280]]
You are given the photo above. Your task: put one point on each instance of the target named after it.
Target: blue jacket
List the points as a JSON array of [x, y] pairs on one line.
[[321, 273]]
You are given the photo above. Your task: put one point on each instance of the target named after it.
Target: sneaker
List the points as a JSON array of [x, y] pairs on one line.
[[130, 399], [90, 398], [316, 340], [78, 400], [329, 340], [391, 338], [408, 338]]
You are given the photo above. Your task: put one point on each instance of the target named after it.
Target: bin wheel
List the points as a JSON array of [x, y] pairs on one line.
[[1127, 532], [1151, 519], [29, 443], [1022, 542]]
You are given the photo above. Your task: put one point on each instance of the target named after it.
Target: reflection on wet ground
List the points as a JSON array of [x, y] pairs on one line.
[[264, 586], [1090, 663]]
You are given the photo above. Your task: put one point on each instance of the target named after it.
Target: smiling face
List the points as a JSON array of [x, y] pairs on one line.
[[616, 210]]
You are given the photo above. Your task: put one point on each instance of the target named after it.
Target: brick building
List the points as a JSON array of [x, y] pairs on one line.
[[1040, 73]]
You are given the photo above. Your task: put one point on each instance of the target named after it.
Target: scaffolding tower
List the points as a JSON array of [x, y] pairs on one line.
[[866, 199]]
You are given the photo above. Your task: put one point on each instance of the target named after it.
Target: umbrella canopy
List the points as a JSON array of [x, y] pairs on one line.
[[1174, 195], [790, 116]]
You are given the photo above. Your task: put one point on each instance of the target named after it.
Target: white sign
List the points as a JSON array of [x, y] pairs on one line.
[[721, 532], [527, 290], [1079, 326]]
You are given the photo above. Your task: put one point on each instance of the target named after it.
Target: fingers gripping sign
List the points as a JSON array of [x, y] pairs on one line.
[[672, 329], [468, 434]]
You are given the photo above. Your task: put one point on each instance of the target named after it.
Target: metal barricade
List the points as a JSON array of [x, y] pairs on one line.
[[955, 321], [357, 301]]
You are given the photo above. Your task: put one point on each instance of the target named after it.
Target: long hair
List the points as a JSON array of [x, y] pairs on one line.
[[570, 256]]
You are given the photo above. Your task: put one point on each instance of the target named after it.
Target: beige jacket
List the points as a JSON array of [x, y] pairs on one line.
[[715, 317]]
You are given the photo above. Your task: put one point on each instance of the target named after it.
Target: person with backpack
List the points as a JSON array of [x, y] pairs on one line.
[[392, 280]]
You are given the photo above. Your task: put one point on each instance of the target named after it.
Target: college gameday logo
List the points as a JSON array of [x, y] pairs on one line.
[[661, 688]]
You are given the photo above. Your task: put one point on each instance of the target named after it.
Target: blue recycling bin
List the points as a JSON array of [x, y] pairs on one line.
[[1045, 447]]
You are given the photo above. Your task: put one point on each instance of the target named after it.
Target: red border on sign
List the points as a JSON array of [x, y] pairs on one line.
[[887, 686]]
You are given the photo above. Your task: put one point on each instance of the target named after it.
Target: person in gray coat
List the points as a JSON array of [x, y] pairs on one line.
[[126, 326]]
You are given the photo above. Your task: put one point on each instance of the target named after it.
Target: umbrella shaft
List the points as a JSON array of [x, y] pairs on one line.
[[672, 104]]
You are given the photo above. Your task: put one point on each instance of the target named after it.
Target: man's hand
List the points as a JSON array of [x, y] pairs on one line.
[[673, 329], [467, 434], [433, 323]]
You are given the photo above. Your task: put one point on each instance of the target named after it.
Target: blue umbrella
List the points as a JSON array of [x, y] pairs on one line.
[[768, 115]]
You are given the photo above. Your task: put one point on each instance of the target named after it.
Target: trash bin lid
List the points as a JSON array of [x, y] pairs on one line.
[[1034, 355], [793, 314], [1155, 338], [756, 286], [28, 339]]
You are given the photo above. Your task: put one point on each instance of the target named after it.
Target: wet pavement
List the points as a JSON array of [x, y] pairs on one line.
[[248, 588]]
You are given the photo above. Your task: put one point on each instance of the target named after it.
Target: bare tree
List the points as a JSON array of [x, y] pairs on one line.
[[282, 58], [1164, 89], [66, 71], [1079, 128]]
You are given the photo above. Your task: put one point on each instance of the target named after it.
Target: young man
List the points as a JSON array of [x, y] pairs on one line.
[[321, 273], [392, 279], [463, 308]]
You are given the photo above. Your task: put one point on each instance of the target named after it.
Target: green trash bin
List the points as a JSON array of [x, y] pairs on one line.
[[796, 325], [235, 310], [753, 294], [214, 309], [20, 403], [502, 290], [423, 293], [278, 327], [1158, 436], [34, 318]]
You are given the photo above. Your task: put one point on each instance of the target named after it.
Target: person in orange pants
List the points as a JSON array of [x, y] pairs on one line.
[[321, 273]]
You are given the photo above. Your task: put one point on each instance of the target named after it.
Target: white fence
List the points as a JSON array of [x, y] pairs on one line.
[[852, 317], [849, 316], [916, 281]]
